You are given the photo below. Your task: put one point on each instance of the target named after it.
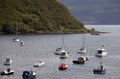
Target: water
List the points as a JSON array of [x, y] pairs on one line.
[[42, 47]]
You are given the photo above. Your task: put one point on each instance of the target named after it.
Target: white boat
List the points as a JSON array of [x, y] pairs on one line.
[[62, 51], [21, 43], [16, 39], [58, 51], [64, 54], [101, 52], [39, 63], [83, 49], [8, 61], [7, 72]]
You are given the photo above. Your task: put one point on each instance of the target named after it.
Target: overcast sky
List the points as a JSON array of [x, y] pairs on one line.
[[97, 12]]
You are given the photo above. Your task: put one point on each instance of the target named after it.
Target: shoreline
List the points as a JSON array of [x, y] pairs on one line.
[[97, 32]]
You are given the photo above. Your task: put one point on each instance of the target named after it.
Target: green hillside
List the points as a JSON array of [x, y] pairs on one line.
[[37, 16]]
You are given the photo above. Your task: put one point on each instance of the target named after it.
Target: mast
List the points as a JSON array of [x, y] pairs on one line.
[[16, 29], [63, 42], [83, 40]]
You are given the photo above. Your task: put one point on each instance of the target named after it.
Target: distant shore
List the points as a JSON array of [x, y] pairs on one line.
[[92, 33]]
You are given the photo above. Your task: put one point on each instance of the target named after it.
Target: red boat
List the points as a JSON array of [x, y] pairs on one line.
[[63, 66]]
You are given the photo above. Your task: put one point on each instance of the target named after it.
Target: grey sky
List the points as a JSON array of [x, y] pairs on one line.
[[95, 11]]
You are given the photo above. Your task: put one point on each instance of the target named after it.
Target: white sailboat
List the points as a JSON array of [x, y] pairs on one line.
[[61, 51], [83, 49], [64, 53]]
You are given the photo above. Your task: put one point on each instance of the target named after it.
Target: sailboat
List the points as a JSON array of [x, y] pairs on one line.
[[61, 51], [16, 39], [82, 50]]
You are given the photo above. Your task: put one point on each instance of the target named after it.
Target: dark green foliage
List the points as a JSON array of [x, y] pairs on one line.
[[37, 16]]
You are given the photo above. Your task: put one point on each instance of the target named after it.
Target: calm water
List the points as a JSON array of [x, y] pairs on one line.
[[42, 47]]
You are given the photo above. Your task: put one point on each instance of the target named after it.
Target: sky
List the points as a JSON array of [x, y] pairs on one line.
[[95, 12]]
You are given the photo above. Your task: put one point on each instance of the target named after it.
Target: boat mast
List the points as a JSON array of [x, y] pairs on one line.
[[83, 40], [16, 29], [63, 42]]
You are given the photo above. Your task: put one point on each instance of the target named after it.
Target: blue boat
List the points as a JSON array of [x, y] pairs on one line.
[[100, 70], [29, 75]]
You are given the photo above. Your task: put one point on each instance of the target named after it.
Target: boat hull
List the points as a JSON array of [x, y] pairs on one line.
[[82, 51], [95, 71], [101, 55], [78, 62], [63, 66], [39, 64], [7, 73], [28, 75]]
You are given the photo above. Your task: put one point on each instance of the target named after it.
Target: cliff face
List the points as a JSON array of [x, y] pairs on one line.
[[37, 16]]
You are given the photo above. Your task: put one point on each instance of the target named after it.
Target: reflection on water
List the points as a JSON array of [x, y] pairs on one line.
[[38, 47]]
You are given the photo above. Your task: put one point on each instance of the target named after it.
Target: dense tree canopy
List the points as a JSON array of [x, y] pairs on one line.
[[37, 16]]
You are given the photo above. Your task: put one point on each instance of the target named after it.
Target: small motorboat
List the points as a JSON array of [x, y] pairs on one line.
[[80, 60], [64, 54], [7, 72], [101, 52], [39, 63], [100, 70], [82, 51], [58, 51], [63, 66], [29, 74], [21, 43], [16, 39], [8, 61]]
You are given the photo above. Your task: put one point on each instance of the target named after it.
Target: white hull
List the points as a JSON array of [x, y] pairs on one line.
[[64, 54], [39, 64], [101, 54], [82, 51], [16, 40], [21, 43], [5, 72]]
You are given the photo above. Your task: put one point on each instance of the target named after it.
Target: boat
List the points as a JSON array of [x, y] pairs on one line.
[[8, 61], [101, 52], [29, 74], [58, 51], [80, 60], [63, 66], [7, 72], [64, 54], [39, 63], [100, 70], [82, 50], [62, 51], [16, 39], [21, 43]]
